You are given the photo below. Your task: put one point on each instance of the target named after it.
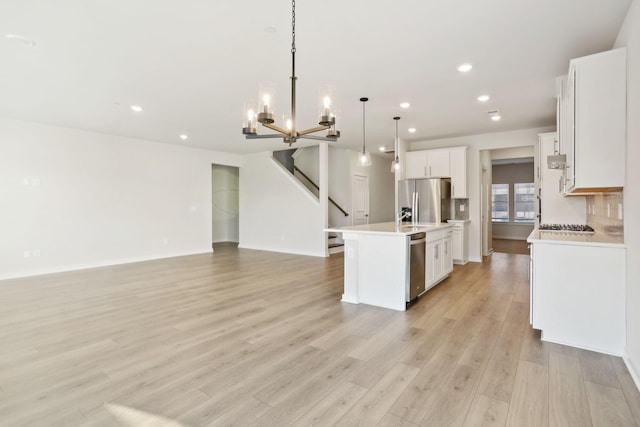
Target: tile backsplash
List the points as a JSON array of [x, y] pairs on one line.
[[461, 209], [605, 213]]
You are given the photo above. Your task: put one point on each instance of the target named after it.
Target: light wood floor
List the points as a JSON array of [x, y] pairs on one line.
[[253, 338], [510, 246]]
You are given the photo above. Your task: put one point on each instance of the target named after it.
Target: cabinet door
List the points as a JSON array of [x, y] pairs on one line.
[[569, 133], [438, 164], [415, 164], [437, 263], [599, 85], [447, 255], [430, 265], [456, 245], [458, 167]]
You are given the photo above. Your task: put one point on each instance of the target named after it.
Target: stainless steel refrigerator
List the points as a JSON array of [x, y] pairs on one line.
[[424, 200]]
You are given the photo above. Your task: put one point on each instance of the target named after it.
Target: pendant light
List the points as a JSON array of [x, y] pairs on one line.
[[395, 164], [364, 160]]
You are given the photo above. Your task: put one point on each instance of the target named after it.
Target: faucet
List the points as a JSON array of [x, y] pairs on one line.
[[403, 216]]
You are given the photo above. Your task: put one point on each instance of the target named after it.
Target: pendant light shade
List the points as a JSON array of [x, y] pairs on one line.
[[395, 164], [364, 159]]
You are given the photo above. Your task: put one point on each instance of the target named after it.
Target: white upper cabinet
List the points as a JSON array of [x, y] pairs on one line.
[[415, 164], [458, 168], [592, 122], [427, 164], [440, 163]]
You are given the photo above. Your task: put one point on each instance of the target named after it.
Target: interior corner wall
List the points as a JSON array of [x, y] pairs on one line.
[[629, 36], [75, 199], [476, 143], [224, 203], [277, 213]]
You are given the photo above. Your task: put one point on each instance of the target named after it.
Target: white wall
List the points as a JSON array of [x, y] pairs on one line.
[[76, 199], [630, 36], [342, 167], [224, 203], [277, 213], [381, 186], [490, 141], [339, 186]]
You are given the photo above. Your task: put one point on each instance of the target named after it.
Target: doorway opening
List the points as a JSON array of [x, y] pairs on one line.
[[225, 210]]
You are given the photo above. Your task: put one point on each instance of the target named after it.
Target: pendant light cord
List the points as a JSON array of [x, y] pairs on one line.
[[363, 128]]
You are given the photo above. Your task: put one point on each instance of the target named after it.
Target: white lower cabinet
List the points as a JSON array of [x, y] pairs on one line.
[[578, 295], [439, 262], [459, 249]]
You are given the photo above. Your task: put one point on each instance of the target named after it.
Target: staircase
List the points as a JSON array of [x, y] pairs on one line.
[[286, 159], [335, 243]]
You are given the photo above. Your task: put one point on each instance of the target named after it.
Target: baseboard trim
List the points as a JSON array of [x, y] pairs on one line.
[[474, 259], [322, 254], [635, 374], [109, 263]]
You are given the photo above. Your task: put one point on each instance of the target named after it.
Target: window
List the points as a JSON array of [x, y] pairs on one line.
[[524, 202], [500, 202]]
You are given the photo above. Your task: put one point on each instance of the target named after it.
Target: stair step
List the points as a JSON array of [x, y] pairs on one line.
[[335, 245]]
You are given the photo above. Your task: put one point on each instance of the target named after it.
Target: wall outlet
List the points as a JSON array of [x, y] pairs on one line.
[[26, 254], [35, 181], [25, 181], [461, 208], [619, 210], [608, 210], [36, 253]]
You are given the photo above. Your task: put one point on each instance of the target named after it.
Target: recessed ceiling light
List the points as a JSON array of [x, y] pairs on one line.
[[136, 108], [184, 137], [484, 98], [20, 39], [405, 105], [495, 115], [412, 130], [464, 68]]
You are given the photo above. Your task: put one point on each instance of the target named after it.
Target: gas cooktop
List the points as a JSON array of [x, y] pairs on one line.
[[567, 228]]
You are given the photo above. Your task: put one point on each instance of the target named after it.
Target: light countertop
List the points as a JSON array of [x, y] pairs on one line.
[[405, 228], [563, 238]]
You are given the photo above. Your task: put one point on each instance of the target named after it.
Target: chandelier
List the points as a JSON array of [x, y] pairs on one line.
[[265, 113]]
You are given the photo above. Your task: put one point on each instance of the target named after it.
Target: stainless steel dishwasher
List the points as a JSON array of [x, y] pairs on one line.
[[417, 244]]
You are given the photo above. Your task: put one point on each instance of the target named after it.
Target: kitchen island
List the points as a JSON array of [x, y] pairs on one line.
[[377, 261]]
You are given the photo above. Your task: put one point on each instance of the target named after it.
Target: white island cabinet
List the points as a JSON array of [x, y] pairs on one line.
[[377, 261]]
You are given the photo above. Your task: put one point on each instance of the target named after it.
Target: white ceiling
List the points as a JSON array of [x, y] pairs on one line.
[[192, 64]]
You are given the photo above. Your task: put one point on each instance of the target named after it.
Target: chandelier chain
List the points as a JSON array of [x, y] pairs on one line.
[[293, 26]]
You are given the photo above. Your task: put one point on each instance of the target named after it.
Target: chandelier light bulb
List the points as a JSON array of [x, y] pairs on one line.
[[289, 124], [266, 100]]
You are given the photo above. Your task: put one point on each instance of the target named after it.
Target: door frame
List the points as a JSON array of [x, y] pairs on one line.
[[353, 197]]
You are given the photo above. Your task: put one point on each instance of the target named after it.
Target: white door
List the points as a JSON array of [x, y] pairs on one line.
[[360, 200]]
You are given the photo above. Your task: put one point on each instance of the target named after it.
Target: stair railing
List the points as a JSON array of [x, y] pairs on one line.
[[297, 169]]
